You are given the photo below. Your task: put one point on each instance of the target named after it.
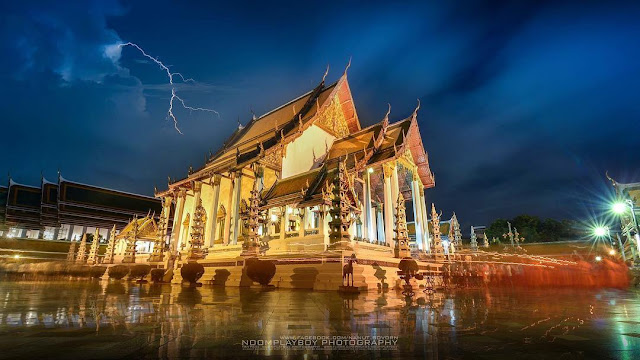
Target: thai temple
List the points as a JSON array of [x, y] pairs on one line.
[[305, 185]]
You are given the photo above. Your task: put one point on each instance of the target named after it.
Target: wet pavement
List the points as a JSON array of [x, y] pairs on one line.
[[99, 320]]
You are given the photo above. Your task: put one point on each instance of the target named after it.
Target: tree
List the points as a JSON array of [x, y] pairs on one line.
[[497, 228]]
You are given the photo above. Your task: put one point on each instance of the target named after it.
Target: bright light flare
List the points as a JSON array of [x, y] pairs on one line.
[[619, 207], [600, 231], [612, 252], [598, 258]]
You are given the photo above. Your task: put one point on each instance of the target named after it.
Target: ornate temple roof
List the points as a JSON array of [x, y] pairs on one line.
[[371, 146], [147, 229], [265, 134]]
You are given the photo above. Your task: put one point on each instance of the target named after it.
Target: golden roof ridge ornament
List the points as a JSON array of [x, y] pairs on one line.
[[383, 131]]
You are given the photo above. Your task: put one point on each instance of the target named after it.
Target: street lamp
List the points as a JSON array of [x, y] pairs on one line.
[[620, 207], [600, 231]]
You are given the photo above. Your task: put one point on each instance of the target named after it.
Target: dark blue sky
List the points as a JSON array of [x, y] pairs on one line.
[[524, 104]]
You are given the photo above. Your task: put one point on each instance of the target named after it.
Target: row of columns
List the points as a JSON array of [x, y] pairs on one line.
[[380, 225], [231, 230]]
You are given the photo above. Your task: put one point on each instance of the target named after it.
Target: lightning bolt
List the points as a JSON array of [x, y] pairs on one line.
[[170, 76]]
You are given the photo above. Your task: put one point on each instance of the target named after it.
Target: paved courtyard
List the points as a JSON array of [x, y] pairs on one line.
[[98, 320]]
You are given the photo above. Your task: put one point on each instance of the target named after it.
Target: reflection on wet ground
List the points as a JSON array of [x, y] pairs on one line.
[[91, 320]]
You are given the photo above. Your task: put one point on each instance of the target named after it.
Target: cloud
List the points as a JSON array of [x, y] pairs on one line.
[[65, 37]]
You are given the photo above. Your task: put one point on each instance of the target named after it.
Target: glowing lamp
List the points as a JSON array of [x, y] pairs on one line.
[[619, 207], [612, 252], [600, 231], [598, 258], [370, 170], [16, 256]]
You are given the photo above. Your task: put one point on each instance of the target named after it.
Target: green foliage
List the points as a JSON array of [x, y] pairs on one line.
[[533, 229]]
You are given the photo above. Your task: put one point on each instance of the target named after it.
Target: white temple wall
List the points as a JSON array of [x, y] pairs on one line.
[[299, 154]]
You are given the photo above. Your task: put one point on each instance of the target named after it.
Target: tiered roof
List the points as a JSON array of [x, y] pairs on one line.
[[266, 134], [372, 146]]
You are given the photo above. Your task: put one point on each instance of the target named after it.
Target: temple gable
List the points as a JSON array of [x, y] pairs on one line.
[[306, 152]]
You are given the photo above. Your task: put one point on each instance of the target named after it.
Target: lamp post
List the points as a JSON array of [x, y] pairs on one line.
[[602, 231], [620, 207]]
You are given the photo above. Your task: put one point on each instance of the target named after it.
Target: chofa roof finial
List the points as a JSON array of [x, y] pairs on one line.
[[325, 74], [348, 66]]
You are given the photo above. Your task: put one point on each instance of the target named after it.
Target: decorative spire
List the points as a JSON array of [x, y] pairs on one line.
[[82, 250], [71, 255], [93, 251], [252, 245], [111, 247], [340, 207], [474, 239], [197, 232], [455, 235], [401, 236], [437, 239], [158, 242], [132, 237]]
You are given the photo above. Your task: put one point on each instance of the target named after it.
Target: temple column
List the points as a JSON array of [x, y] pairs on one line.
[[237, 188], [177, 221], [417, 211], [363, 213], [210, 235], [227, 219], [283, 223], [395, 187], [388, 205], [167, 211], [369, 228], [379, 223], [303, 223], [70, 233], [425, 222]]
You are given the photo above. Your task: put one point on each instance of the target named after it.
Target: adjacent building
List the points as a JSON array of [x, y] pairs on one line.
[[65, 209]]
